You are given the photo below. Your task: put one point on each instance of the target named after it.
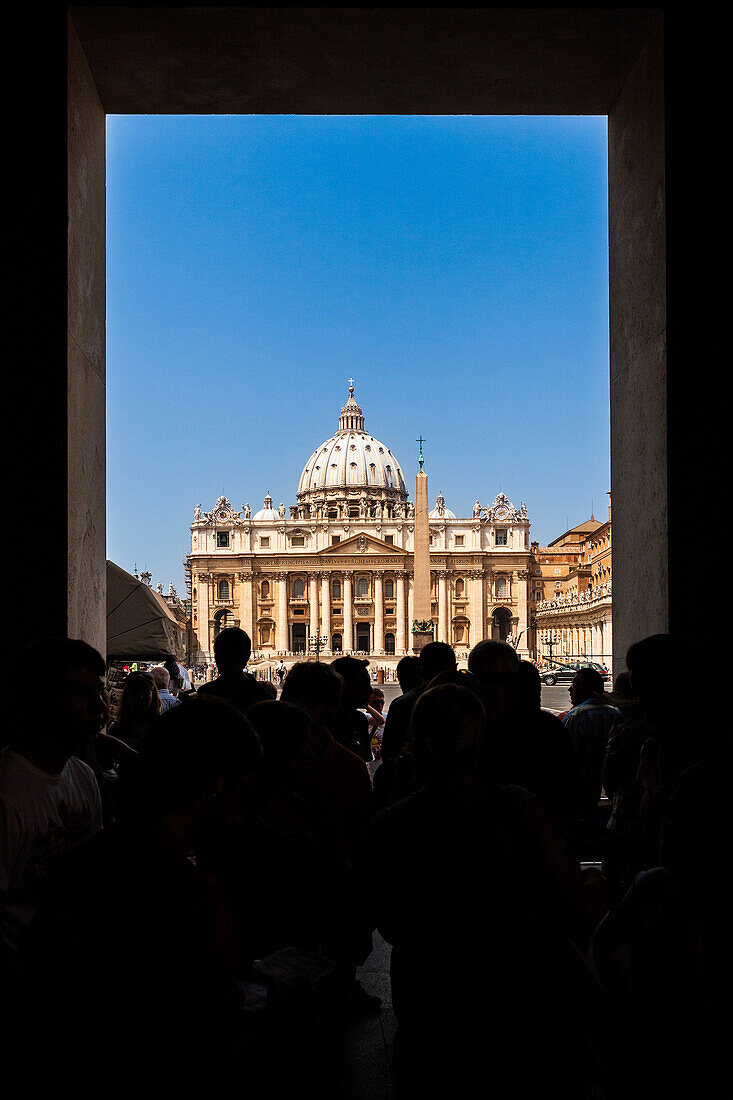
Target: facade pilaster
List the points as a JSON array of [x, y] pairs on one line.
[[203, 615], [519, 579]]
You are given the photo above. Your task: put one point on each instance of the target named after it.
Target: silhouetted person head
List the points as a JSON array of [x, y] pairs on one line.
[[624, 697], [496, 667], [284, 731], [58, 694], [530, 685], [357, 682], [269, 687], [651, 663], [409, 673], [446, 732], [437, 657], [140, 702], [232, 649], [193, 766], [587, 683], [315, 687]]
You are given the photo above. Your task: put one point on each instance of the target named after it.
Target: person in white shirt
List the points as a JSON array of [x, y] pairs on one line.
[[49, 799]]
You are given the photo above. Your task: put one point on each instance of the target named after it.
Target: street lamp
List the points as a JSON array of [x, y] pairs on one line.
[[316, 643], [550, 642]]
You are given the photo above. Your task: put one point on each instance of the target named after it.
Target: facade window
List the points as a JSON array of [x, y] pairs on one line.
[[501, 587], [335, 539], [265, 590], [222, 538], [297, 540], [362, 587], [460, 540], [500, 537], [460, 587], [389, 643], [223, 590], [336, 590], [389, 539], [298, 588], [389, 590], [265, 542]]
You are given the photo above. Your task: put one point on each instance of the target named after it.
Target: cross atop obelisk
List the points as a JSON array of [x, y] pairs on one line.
[[421, 625]]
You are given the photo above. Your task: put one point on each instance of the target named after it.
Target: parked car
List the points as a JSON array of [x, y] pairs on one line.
[[563, 673]]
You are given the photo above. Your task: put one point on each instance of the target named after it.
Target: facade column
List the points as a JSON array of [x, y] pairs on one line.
[[203, 615], [245, 605], [476, 580], [400, 640], [326, 609], [348, 613], [378, 639], [282, 612], [313, 604], [442, 605], [410, 607]]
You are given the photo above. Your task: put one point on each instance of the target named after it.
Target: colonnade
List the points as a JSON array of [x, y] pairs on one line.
[[592, 640]]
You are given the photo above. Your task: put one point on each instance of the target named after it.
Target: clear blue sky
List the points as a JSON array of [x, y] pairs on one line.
[[456, 267]]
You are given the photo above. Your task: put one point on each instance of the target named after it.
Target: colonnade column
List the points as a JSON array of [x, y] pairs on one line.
[[442, 606], [400, 641], [326, 608], [282, 611], [245, 604], [313, 604], [378, 640], [348, 613]]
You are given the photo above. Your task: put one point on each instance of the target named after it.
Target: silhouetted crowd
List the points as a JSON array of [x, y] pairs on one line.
[[187, 892]]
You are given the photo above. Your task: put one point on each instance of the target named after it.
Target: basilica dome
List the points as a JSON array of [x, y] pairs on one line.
[[352, 460]]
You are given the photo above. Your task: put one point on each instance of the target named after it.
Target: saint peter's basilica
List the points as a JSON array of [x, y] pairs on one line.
[[338, 565]]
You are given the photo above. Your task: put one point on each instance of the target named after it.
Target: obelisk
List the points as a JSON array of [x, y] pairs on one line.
[[421, 569]]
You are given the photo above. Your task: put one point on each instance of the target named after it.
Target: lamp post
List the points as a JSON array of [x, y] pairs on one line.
[[550, 642], [316, 643]]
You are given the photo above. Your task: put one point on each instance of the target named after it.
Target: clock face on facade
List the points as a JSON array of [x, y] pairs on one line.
[[222, 515], [501, 512]]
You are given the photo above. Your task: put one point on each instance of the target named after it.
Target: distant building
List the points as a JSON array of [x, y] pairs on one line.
[[338, 564], [570, 594]]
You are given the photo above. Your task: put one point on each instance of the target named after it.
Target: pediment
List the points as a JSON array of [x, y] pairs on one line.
[[359, 545]]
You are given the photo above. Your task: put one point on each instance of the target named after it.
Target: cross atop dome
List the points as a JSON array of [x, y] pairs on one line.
[[352, 417]]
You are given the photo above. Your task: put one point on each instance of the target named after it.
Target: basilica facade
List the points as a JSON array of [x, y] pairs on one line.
[[333, 573]]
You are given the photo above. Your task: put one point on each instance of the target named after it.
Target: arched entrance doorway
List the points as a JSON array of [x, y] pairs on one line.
[[501, 624]]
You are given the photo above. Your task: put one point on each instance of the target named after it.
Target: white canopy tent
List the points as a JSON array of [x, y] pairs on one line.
[[139, 622]]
